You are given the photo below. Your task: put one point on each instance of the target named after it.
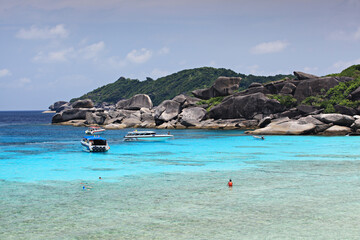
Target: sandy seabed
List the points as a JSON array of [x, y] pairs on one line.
[[274, 200]]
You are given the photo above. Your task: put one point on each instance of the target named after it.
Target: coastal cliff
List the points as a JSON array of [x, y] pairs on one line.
[[304, 104]]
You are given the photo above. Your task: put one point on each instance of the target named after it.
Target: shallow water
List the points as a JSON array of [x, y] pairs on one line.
[[285, 187]]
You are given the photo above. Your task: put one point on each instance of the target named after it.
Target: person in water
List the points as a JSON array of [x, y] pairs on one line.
[[230, 183]]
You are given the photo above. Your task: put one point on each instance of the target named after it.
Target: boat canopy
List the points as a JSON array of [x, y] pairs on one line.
[[141, 133], [94, 138]]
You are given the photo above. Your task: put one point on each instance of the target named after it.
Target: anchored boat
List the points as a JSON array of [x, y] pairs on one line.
[[94, 144], [94, 130], [259, 137], [146, 136]]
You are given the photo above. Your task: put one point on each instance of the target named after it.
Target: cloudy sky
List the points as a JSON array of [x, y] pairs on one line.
[[57, 50]]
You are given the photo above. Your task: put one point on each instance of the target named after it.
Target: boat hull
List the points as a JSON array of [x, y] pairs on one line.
[[147, 138], [94, 148]]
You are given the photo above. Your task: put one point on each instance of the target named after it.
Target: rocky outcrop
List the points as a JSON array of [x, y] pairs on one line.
[[71, 114], [317, 86], [249, 91], [336, 119], [245, 107], [303, 76], [255, 84], [345, 110], [286, 127], [337, 131], [355, 95], [186, 101], [135, 103], [95, 118], [192, 116], [264, 122], [313, 87], [57, 105], [86, 103], [167, 110], [306, 109], [248, 109], [288, 88], [223, 86], [63, 107]]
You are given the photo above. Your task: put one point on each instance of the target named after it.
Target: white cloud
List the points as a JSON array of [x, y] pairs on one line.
[[348, 36], [341, 65], [92, 51], [34, 32], [269, 47], [24, 81], [139, 56], [18, 83], [56, 56], [164, 51], [4, 72], [89, 52]]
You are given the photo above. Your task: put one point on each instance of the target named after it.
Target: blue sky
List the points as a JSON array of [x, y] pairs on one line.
[[57, 50]]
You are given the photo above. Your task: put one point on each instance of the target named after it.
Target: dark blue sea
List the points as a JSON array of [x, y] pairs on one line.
[[285, 187]]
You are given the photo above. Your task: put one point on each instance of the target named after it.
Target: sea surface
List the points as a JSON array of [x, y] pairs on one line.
[[284, 187]]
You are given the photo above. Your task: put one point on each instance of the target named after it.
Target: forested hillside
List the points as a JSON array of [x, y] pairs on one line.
[[169, 86]]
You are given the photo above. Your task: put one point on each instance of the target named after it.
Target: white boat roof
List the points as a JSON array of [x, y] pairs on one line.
[[142, 132]]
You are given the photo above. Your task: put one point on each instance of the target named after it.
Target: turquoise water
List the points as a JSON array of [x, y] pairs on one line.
[[285, 187]]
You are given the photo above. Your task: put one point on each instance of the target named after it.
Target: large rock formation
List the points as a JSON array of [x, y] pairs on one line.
[[71, 114], [251, 108], [336, 119], [245, 107], [355, 95], [57, 105], [286, 127], [86, 103], [135, 103], [186, 101], [95, 118], [337, 131], [223, 86], [317, 86], [303, 76], [192, 116], [167, 110]]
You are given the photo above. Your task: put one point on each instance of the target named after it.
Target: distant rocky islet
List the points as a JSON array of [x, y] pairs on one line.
[[248, 109]]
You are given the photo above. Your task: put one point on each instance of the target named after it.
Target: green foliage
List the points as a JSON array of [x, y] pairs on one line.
[[167, 87], [211, 102], [338, 94], [353, 71], [286, 100], [161, 89], [313, 101]]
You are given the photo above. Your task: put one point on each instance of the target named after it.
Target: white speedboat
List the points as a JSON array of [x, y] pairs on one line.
[[94, 144], [146, 136], [259, 137], [94, 130]]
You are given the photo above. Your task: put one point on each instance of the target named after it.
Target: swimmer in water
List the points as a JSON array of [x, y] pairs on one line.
[[230, 183]]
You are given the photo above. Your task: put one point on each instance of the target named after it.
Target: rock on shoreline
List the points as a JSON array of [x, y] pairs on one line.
[[252, 108]]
